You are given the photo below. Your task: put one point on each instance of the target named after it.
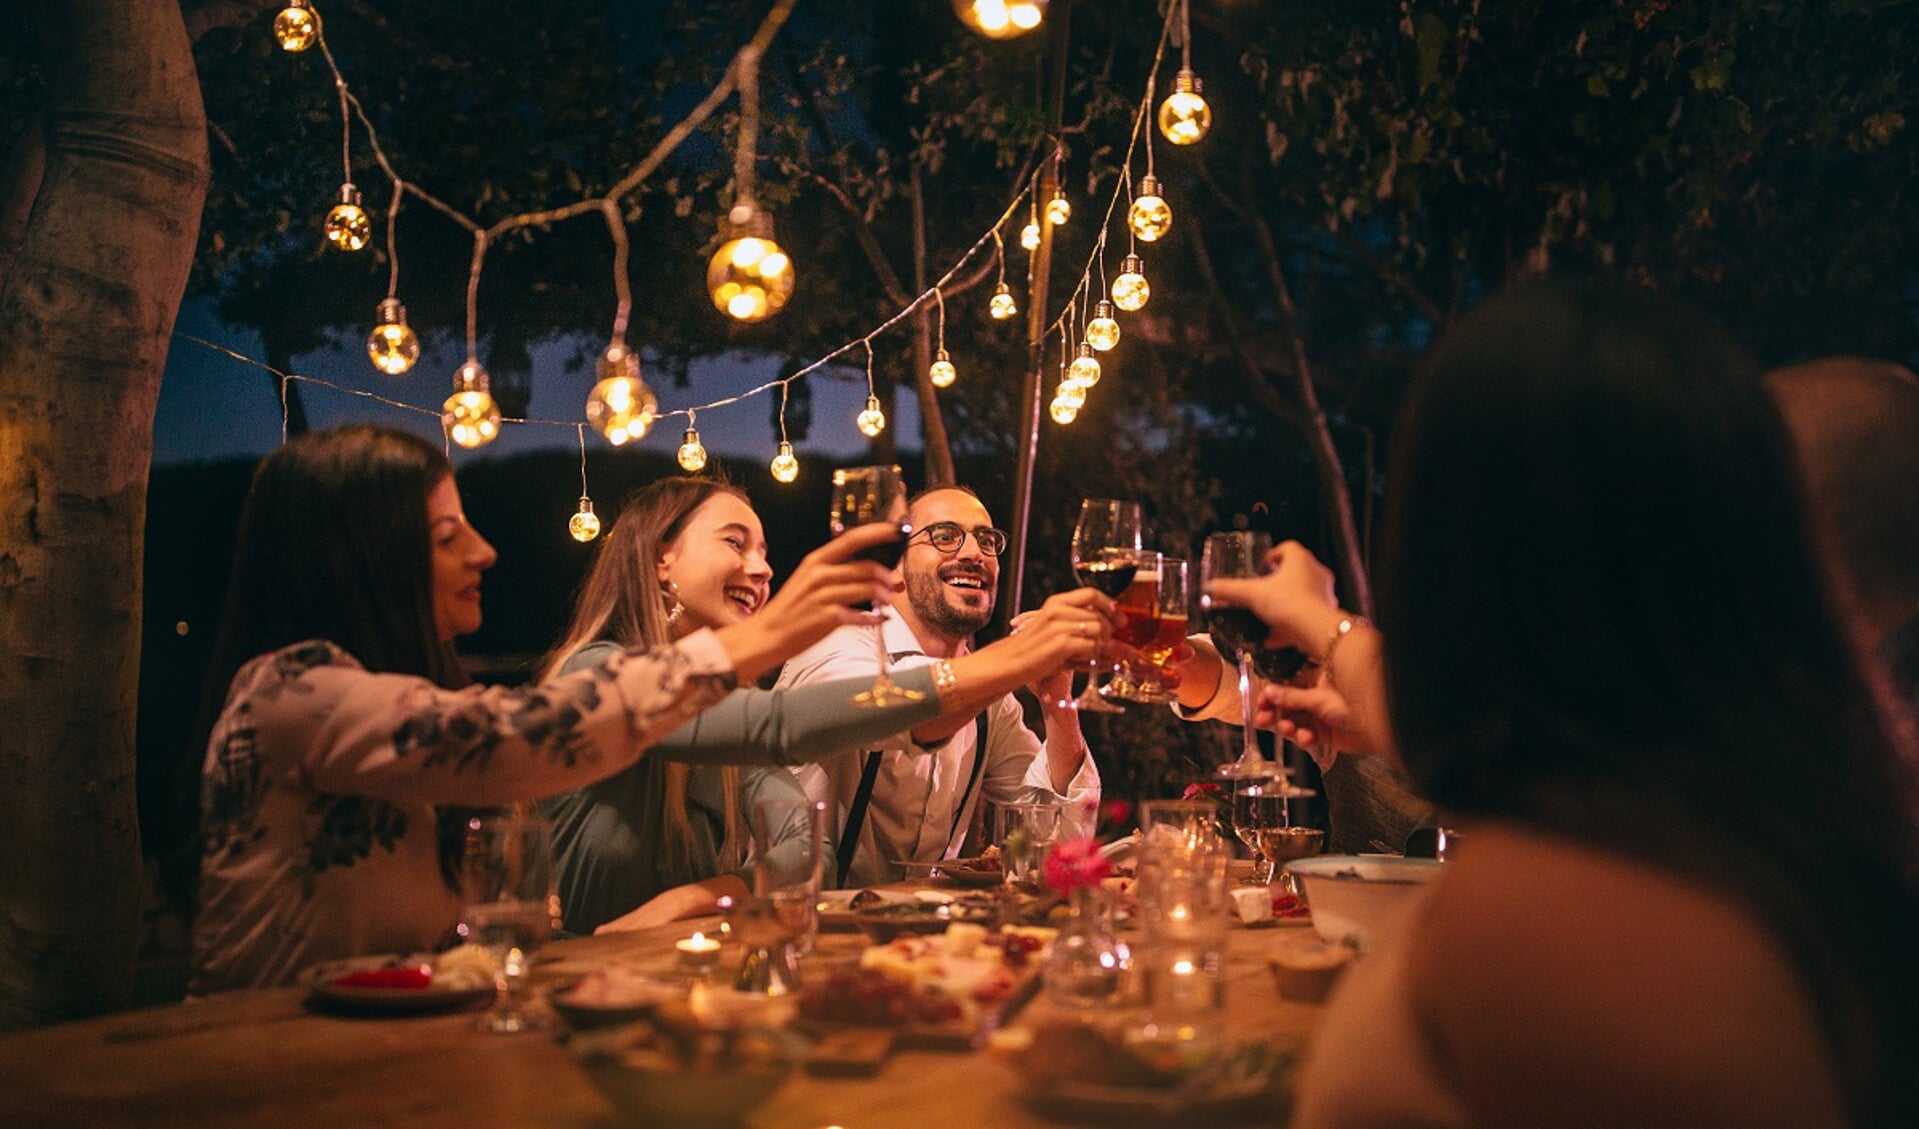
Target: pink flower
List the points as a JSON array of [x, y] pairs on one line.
[[1076, 864], [1200, 791], [1115, 812]]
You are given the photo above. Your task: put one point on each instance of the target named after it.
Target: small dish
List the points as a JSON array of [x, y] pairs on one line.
[[324, 982], [884, 923], [612, 996]]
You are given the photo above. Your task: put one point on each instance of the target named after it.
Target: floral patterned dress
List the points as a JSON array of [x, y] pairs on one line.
[[322, 784]]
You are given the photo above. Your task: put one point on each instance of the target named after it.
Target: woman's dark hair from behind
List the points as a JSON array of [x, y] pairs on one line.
[[1607, 623]]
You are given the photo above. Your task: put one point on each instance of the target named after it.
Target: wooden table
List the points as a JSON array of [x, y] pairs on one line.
[[263, 1058]]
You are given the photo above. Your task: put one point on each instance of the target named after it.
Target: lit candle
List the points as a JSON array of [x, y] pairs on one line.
[[698, 952]]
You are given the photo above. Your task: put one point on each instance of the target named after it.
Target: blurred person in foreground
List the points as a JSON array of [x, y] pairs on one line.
[[341, 722], [1687, 895], [913, 798], [664, 840]]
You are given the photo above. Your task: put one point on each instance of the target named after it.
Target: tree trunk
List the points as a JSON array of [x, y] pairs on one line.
[[86, 313]]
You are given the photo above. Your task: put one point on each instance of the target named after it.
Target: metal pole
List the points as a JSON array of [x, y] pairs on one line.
[[1013, 564]]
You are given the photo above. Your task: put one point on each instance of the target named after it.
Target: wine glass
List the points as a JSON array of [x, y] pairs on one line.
[[862, 495], [511, 906], [1237, 631], [1025, 831], [1106, 556]]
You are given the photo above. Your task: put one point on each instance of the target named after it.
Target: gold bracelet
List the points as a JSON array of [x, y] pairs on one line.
[[943, 677], [1340, 630]]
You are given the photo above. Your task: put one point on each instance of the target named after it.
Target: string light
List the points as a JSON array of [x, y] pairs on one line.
[[1002, 306], [692, 454], [1149, 217], [1102, 332], [750, 277], [621, 406], [872, 421], [941, 372], [1185, 117], [297, 26], [469, 416], [393, 346], [346, 224], [1029, 236], [784, 466], [584, 526], [1058, 210], [1000, 19], [1084, 372], [1130, 291]]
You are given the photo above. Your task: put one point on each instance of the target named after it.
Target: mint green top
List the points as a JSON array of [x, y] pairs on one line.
[[614, 847]]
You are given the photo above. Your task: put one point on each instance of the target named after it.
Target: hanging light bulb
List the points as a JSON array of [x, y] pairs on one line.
[[749, 277], [692, 453], [1000, 19], [1070, 394], [941, 372], [1149, 217], [1063, 412], [585, 525], [1102, 332], [297, 26], [469, 416], [393, 346], [1185, 117], [872, 421], [621, 406], [1029, 237], [784, 466], [1085, 370], [1130, 291], [346, 223], [1059, 209], [1002, 306]]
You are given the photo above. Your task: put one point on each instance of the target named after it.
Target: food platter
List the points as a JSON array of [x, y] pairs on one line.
[[366, 986]]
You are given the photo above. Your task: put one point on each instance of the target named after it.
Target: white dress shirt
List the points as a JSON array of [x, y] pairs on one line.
[[921, 806]]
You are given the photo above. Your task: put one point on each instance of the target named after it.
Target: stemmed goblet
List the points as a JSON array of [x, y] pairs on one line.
[[511, 906], [1237, 631], [1106, 556], [863, 495]]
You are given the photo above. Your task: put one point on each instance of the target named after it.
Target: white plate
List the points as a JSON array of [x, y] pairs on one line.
[[321, 982]]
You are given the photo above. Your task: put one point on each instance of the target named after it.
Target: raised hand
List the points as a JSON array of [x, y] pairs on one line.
[[1067, 631], [826, 591], [1295, 599]]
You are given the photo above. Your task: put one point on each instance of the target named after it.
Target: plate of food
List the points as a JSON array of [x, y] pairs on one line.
[[982, 870], [1075, 1072], [941, 991], [611, 995], [392, 984], [837, 908]]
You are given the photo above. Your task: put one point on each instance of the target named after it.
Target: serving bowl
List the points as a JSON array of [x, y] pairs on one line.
[[661, 1074], [1362, 900]]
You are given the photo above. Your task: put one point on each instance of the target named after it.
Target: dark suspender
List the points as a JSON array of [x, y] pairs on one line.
[[869, 773]]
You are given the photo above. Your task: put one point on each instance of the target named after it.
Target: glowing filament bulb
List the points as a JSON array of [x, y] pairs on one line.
[[872, 421], [784, 466], [1102, 332], [1130, 291], [585, 525], [1070, 394], [1149, 217], [1002, 306], [1059, 209], [1000, 19], [469, 416], [1185, 117], [941, 372], [1085, 370], [692, 453], [393, 346], [1029, 237], [297, 26], [621, 406], [749, 277], [346, 223], [1062, 411]]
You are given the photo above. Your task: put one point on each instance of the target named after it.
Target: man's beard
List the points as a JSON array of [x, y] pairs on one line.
[[927, 592]]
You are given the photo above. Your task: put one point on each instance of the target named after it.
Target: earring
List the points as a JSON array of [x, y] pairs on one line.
[[673, 605]]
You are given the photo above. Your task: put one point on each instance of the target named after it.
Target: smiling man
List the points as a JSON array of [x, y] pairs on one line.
[[913, 799]]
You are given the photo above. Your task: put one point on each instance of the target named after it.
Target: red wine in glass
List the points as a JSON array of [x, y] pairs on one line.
[[1111, 572]]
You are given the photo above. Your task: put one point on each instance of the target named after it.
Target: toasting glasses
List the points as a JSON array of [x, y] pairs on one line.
[[1238, 631], [863, 495], [511, 906], [1106, 556]]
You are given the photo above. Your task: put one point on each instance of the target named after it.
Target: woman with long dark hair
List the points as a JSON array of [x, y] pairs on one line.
[[1685, 890], [344, 726], [665, 840]]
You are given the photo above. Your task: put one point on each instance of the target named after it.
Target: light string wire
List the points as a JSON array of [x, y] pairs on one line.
[[581, 428]]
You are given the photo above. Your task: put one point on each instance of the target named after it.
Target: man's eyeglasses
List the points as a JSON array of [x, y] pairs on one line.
[[948, 536]]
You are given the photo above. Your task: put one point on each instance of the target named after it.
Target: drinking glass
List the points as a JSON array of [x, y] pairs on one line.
[[511, 906], [1106, 555], [778, 924], [1155, 631], [863, 495], [1023, 832], [1237, 631]]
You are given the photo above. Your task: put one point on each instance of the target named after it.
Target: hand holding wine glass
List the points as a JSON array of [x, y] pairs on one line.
[[1236, 630], [874, 495], [1106, 557]]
